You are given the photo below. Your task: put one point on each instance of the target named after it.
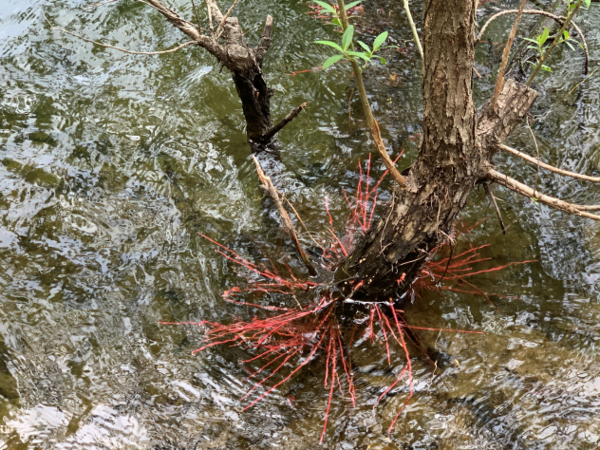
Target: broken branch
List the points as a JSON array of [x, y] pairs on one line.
[[523, 189], [265, 41], [287, 119], [288, 227], [505, 54]]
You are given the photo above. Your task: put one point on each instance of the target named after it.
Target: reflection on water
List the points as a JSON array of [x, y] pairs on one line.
[[111, 164]]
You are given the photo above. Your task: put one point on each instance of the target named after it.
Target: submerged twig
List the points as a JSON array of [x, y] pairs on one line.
[[288, 227]]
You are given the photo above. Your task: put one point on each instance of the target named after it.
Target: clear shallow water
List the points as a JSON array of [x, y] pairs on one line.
[[111, 164]]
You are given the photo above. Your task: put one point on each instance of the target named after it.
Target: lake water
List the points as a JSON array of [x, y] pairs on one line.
[[112, 163]]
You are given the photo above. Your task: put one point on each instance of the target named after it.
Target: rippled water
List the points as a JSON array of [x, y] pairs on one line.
[[112, 163]]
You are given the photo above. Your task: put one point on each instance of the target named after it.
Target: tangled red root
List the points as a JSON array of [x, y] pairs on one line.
[[294, 336]]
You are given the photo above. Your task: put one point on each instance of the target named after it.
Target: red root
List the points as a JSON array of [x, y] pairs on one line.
[[294, 336]]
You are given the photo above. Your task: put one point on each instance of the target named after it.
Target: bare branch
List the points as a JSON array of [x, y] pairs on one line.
[[559, 19], [287, 119], [288, 227], [124, 50], [224, 19], [210, 22], [505, 54], [549, 167], [265, 41], [214, 11], [190, 29], [523, 189]]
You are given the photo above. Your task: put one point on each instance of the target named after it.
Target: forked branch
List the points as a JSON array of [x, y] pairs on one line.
[[523, 189], [288, 227]]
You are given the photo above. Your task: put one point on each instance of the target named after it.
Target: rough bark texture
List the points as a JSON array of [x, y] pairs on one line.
[[244, 63], [455, 154]]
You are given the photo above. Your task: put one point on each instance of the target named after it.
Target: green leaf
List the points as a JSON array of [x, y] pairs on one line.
[[331, 61], [570, 46], [365, 46], [336, 21], [326, 6], [588, 3], [379, 40], [361, 55], [546, 68], [542, 38], [566, 35], [581, 45], [331, 44], [347, 37], [352, 5], [530, 40], [532, 47], [383, 60]]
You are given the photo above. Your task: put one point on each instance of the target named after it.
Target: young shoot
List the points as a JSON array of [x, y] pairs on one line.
[[346, 52], [543, 38]]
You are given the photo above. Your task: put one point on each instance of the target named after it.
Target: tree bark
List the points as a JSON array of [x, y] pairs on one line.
[[455, 155]]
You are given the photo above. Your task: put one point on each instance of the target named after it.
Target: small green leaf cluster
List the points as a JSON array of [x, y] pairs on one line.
[[346, 53], [346, 50], [543, 38], [572, 3]]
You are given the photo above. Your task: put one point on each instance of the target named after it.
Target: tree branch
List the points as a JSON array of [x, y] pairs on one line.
[[224, 19], [549, 167], [288, 227], [505, 54], [190, 29], [559, 19], [265, 41], [523, 189], [287, 119]]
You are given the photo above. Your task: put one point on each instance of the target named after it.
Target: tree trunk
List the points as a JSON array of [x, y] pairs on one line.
[[455, 154]]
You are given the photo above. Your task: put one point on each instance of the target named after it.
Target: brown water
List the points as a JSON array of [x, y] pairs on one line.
[[110, 165]]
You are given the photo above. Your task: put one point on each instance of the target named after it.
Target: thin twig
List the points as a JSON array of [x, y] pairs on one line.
[[288, 227], [415, 35], [523, 189], [283, 122], [225, 17], [491, 194], [505, 54], [131, 52], [537, 151], [301, 221], [549, 167], [197, 16], [579, 84]]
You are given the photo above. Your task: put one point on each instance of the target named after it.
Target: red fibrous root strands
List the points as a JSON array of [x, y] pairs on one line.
[[285, 338]]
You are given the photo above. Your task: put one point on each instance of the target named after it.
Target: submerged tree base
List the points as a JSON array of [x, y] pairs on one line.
[[285, 342]]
